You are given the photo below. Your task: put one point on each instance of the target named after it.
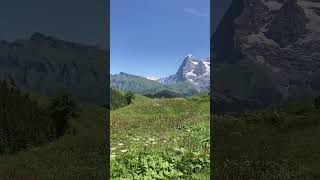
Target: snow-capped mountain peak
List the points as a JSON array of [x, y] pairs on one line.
[[189, 56], [193, 70]]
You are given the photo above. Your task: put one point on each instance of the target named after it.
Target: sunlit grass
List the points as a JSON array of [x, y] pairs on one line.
[[172, 134]]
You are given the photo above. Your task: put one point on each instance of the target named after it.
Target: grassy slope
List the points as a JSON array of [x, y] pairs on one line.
[[154, 126], [286, 145], [80, 155]]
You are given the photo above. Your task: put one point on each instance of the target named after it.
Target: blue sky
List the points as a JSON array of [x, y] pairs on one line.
[[152, 37]]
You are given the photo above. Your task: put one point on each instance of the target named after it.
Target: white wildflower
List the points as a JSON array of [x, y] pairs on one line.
[[124, 150]]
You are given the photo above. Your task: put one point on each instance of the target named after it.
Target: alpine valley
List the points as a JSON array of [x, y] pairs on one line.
[[192, 77]]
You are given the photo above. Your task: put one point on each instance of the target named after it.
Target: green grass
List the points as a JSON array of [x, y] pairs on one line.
[[138, 99], [161, 139], [78, 156], [279, 142]]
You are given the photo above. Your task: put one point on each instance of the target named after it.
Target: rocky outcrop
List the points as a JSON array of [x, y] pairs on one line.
[[280, 38]]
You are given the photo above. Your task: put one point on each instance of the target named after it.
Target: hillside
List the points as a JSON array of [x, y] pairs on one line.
[[47, 133], [279, 142], [46, 64], [23, 123], [141, 85], [137, 84], [161, 138], [80, 154]]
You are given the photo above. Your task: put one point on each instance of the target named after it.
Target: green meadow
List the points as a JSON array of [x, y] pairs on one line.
[[164, 138]]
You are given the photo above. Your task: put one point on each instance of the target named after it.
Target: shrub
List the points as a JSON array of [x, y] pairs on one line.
[[63, 107], [129, 97]]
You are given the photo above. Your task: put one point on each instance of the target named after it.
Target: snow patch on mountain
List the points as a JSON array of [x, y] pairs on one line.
[[153, 78]]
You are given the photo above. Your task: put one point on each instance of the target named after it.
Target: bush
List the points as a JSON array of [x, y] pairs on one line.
[[129, 97], [63, 107]]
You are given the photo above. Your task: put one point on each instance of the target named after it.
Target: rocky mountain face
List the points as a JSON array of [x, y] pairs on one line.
[[275, 44], [193, 70], [46, 64]]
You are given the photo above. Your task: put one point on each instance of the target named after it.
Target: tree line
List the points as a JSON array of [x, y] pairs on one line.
[[24, 123], [119, 99]]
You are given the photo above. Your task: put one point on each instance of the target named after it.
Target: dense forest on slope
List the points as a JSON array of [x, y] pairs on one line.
[[24, 123]]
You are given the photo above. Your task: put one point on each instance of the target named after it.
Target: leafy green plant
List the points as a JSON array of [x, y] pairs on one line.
[[173, 163]]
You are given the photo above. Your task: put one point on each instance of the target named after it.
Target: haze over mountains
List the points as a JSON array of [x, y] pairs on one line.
[[193, 76], [267, 52]]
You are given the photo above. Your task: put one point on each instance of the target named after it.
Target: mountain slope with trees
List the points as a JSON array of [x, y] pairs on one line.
[[45, 137], [141, 85], [25, 124]]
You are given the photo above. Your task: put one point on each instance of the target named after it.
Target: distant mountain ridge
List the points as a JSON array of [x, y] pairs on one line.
[[142, 85], [46, 64], [192, 77]]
